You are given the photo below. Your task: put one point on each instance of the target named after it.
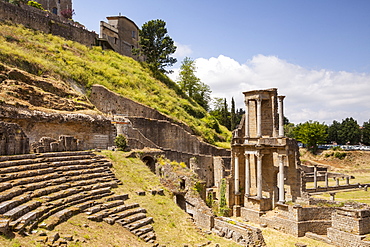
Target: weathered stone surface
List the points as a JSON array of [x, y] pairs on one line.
[[12, 139]]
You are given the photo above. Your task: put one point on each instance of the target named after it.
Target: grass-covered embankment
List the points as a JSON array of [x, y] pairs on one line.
[[45, 54]]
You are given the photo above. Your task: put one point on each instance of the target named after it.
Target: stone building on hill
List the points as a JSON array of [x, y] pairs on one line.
[[56, 6], [120, 34]]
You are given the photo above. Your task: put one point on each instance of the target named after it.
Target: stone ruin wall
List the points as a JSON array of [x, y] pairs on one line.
[[37, 19], [93, 131], [115, 104], [350, 227], [149, 127], [13, 140]]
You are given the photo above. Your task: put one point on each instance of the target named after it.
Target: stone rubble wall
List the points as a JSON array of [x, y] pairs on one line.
[[12, 139], [295, 220], [94, 131], [239, 232], [46, 22]]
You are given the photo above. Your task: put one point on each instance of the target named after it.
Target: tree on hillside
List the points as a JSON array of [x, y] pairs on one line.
[[288, 128], [233, 122], [156, 45], [239, 115], [349, 132], [333, 131], [366, 133], [191, 84], [311, 134]]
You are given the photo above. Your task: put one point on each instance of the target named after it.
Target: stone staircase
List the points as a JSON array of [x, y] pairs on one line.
[[43, 190]]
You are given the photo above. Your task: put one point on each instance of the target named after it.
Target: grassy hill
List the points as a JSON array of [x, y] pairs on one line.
[[70, 62]]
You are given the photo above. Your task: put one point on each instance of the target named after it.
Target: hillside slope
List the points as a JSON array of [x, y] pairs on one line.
[[75, 64]]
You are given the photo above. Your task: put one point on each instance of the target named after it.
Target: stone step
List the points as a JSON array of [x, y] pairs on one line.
[[4, 225], [43, 165], [60, 217], [111, 211], [141, 231], [9, 194], [104, 206], [75, 190], [147, 237], [131, 219], [17, 157], [68, 153], [21, 209], [138, 224], [19, 160], [45, 187], [53, 208], [128, 213], [14, 202], [122, 197]]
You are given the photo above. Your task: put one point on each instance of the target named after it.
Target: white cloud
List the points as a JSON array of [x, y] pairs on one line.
[[318, 95], [182, 51]]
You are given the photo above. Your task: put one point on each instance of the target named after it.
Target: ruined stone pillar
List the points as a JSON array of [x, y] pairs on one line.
[[259, 175], [246, 135], [315, 176], [236, 174], [347, 180], [247, 176], [281, 180], [281, 116], [326, 180], [259, 118], [337, 179]]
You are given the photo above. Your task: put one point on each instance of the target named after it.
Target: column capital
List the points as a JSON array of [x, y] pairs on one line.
[[259, 155], [281, 97], [246, 102]]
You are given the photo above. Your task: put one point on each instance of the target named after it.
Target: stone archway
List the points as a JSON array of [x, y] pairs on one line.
[[150, 162]]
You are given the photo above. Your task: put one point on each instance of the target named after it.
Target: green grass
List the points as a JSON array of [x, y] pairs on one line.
[[45, 54], [355, 196]]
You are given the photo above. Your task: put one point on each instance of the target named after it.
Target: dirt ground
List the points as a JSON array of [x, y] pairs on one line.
[[353, 161]]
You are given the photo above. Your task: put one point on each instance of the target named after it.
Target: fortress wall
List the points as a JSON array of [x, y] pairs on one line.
[[46, 22]]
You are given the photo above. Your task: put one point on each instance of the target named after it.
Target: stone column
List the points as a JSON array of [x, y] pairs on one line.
[[259, 175], [337, 179], [281, 180], [281, 116], [236, 174], [315, 177], [247, 176], [326, 180], [246, 135], [347, 180], [259, 117]]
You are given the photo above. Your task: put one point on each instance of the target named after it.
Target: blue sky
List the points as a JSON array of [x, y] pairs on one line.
[[317, 53]]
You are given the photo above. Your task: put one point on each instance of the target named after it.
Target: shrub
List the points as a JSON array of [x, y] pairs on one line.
[[121, 142], [340, 155], [35, 4], [68, 13]]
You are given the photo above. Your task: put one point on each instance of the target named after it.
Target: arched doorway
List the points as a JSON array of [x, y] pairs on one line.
[[150, 162]]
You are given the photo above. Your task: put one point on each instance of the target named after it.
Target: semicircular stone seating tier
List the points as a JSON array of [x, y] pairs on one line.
[[43, 190]]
